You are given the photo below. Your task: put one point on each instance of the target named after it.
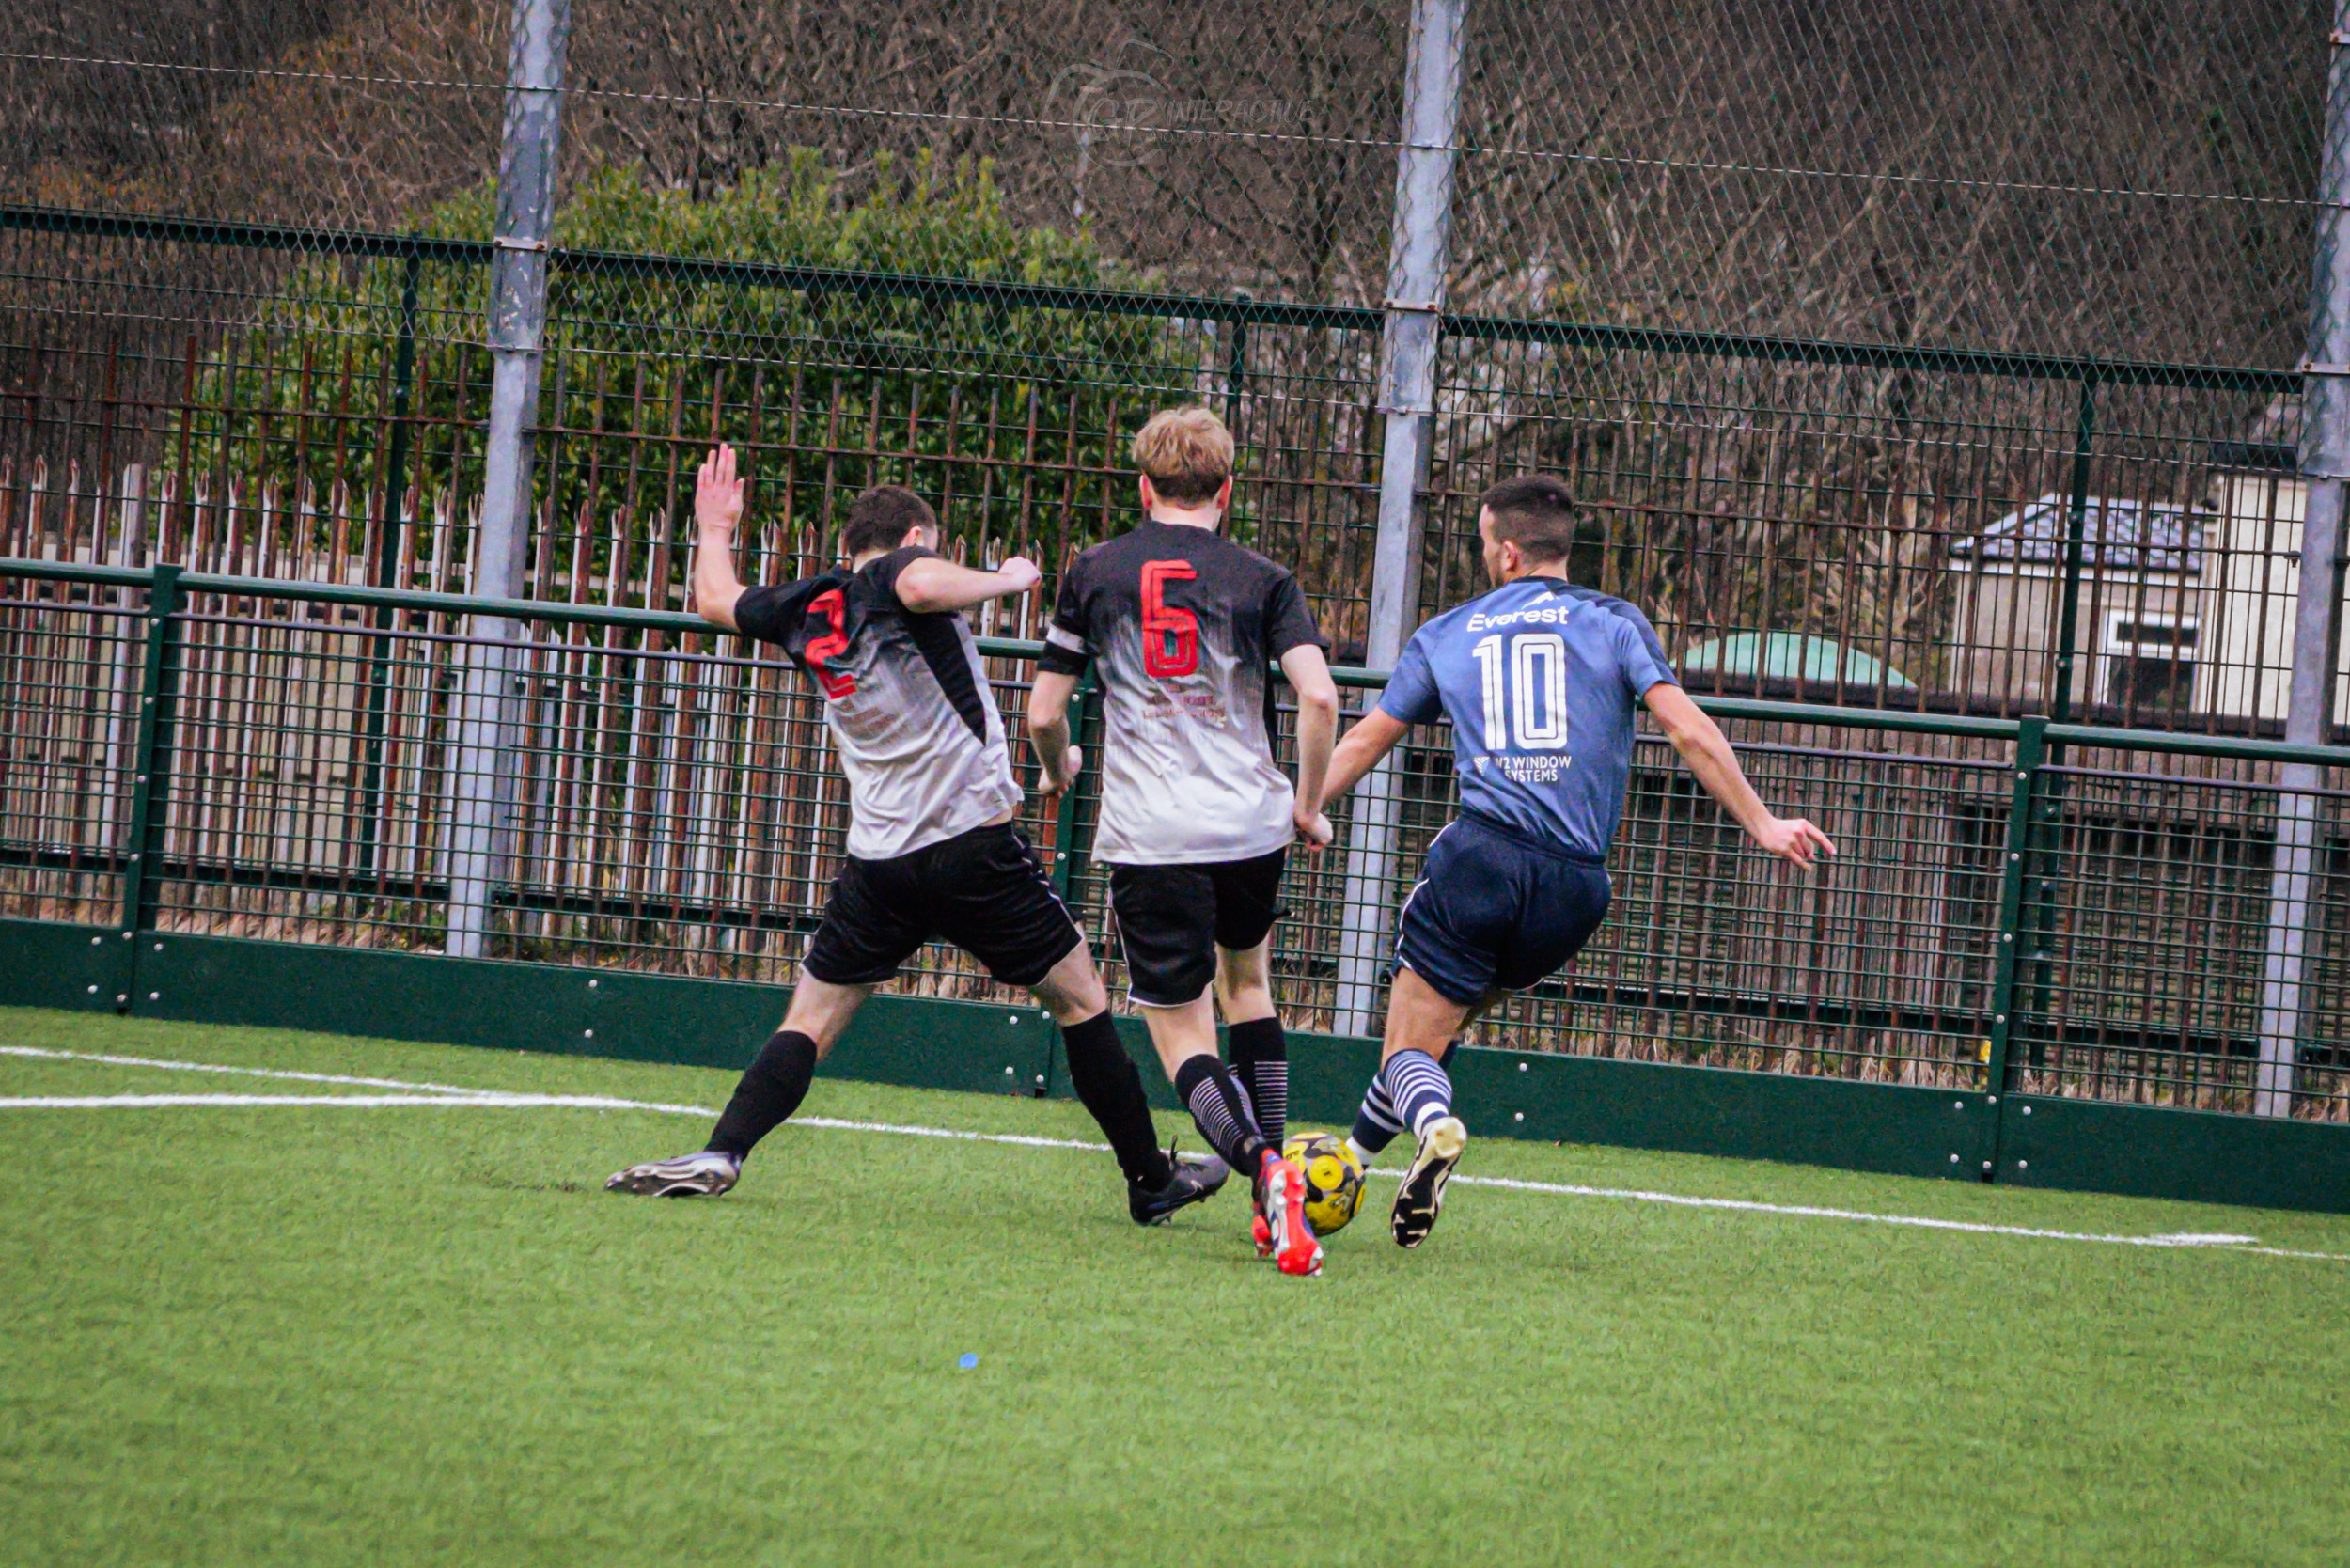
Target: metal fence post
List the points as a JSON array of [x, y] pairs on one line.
[[386, 553], [1066, 860], [150, 788], [2016, 870], [2317, 606], [1418, 252], [481, 788], [2075, 534], [1235, 363]]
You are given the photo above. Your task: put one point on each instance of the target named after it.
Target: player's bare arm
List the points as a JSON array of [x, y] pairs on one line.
[[1317, 730], [717, 513], [1373, 736], [1706, 750], [932, 585], [1057, 761]]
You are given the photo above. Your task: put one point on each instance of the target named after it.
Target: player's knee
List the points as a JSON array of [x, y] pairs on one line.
[[1073, 990], [1243, 987], [1073, 1004]]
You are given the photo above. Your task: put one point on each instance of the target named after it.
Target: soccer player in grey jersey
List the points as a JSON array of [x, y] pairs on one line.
[[933, 851], [1197, 818]]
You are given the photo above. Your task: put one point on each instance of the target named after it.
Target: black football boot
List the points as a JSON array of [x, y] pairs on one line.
[[1196, 1177]]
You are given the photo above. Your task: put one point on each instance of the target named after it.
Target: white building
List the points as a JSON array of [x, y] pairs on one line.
[[2181, 610]]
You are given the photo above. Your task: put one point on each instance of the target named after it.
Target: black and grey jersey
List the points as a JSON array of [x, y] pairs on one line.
[[906, 700], [1183, 622]]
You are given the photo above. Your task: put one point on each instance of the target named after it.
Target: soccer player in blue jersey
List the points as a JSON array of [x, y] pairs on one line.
[[1538, 679]]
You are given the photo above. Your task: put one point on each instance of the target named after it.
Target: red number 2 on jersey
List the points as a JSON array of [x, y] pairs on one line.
[[1170, 633], [837, 683]]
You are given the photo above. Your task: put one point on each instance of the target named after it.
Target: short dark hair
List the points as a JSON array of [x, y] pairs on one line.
[[879, 519], [1534, 512]]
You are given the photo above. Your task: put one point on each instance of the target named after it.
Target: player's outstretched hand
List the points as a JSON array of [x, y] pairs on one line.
[[1795, 841], [1313, 829], [718, 492], [1022, 572]]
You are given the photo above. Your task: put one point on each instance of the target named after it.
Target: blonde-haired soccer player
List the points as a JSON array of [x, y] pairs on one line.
[[1197, 818]]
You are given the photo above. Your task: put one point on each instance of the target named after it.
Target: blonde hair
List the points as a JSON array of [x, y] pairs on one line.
[[1188, 454]]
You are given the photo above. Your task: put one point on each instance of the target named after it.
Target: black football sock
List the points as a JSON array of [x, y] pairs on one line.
[[1219, 1108], [1260, 1060], [771, 1089], [1106, 1081]]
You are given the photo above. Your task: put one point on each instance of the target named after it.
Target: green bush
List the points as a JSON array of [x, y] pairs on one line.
[[833, 383]]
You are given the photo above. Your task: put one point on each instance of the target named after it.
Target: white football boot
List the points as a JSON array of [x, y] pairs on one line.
[[1420, 1198], [703, 1175]]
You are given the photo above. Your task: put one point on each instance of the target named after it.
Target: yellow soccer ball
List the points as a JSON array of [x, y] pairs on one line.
[[1334, 1179]]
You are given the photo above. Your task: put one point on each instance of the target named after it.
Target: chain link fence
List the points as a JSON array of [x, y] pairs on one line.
[[1941, 360]]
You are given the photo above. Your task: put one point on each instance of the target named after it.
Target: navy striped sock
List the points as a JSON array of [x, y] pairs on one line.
[[1219, 1108], [1418, 1088], [1376, 1124]]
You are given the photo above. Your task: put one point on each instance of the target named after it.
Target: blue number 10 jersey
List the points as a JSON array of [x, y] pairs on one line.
[[1539, 679]]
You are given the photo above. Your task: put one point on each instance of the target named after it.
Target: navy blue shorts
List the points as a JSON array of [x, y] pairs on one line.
[[1497, 909]]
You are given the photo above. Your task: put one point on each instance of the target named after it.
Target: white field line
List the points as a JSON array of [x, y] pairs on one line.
[[354, 1102], [247, 1071], [449, 1097]]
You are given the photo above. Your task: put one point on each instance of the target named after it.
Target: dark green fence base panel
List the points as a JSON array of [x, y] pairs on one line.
[[2195, 1156], [84, 968], [1694, 1110], [1894, 1128], [391, 995], [913, 1042], [603, 1013], [1327, 1074], [974, 1047]]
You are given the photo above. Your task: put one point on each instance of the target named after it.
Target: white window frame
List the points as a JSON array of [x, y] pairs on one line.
[[2112, 647]]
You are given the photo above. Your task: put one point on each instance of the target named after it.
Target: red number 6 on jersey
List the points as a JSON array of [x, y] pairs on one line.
[[1170, 633]]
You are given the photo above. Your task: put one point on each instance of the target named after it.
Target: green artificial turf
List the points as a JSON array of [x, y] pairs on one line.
[[266, 1335]]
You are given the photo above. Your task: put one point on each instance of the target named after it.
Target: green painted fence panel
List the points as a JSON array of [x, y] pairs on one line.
[[605, 1012], [976, 1048], [2196, 1156], [77, 968], [1897, 1128]]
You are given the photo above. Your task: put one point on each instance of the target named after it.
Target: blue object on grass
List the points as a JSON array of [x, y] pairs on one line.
[[969, 1361]]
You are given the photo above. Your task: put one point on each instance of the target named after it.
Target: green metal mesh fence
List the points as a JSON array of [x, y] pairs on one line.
[[68, 669], [1966, 533], [2128, 181], [675, 809], [1939, 359]]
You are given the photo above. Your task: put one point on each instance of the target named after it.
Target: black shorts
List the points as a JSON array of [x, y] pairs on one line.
[[1172, 918], [1497, 910], [982, 890]]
